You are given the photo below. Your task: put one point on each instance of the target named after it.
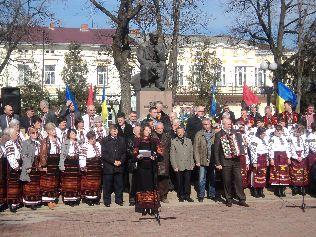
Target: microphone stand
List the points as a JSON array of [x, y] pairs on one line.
[[303, 205]]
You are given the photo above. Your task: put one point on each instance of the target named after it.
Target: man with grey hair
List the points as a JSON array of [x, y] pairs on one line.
[[49, 116], [202, 154], [228, 147], [6, 118]]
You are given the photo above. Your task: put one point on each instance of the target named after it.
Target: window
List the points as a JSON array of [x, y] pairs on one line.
[[240, 75], [260, 77], [180, 75], [198, 72], [24, 73], [49, 74], [222, 75], [102, 75]]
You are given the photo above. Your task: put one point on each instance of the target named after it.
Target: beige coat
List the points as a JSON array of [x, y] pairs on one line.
[[181, 156], [201, 154]]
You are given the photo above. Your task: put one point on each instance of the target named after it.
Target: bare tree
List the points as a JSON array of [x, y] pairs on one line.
[[17, 17], [274, 22], [128, 9]]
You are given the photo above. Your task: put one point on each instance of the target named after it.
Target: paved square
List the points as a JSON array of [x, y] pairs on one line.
[[264, 217]]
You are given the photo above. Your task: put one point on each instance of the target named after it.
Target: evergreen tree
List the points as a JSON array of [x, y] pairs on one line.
[[74, 74]]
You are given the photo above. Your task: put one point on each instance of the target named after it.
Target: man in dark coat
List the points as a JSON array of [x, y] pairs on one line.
[[194, 123], [70, 113], [163, 166], [49, 116], [163, 117], [228, 146], [8, 115], [113, 159], [27, 120], [124, 129]]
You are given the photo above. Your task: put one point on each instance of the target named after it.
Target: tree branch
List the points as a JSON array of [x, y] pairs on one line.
[[105, 11], [135, 11]]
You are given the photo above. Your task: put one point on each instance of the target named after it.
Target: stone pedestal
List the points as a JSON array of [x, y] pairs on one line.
[[146, 98]]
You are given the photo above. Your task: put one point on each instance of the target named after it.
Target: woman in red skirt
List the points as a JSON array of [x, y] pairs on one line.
[[70, 171], [49, 160], [280, 158], [299, 164], [13, 149], [91, 167], [259, 159], [30, 174]]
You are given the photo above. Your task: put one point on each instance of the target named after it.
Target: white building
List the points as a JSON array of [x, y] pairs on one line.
[[46, 47]]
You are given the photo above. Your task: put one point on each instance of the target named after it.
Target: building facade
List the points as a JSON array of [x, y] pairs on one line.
[[44, 54]]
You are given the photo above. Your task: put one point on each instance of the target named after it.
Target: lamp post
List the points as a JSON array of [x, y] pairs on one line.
[[268, 90]]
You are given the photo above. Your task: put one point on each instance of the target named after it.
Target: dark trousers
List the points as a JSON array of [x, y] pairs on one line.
[[184, 183], [232, 176], [113, 182], [163, 186]]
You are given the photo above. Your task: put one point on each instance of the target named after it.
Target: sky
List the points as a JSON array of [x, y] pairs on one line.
[[73, 13]]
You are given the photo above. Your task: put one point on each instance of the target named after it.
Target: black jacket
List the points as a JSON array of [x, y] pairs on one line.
[[164, 118], [26, 122], [218, 149], [194, 125], [112, 150], [128, 131]]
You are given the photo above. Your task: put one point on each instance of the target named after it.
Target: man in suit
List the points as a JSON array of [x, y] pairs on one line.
[[8, 115], [113, 159], [182, 162], [27, 120], [228, 146], [70, 113], [125, 130], [49, 116], [195, 123]]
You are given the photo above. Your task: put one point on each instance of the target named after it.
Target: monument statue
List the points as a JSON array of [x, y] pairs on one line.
[[152, 58]]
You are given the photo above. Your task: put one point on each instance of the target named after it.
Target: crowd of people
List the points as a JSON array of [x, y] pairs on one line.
[[76, 158]]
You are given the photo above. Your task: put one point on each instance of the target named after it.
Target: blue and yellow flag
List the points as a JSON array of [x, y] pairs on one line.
[[104, 106], [284, 94], [213, 102]]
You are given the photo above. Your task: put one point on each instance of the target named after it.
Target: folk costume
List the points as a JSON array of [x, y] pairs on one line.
[[280, 153], [70, 172], [270, 120], [91, 166], [49, 160], [290, 118], [14, 165], [259, 159], [30, 174], [3, 174], [81, 136], [299, 163], [311, 159], [147, 196]]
